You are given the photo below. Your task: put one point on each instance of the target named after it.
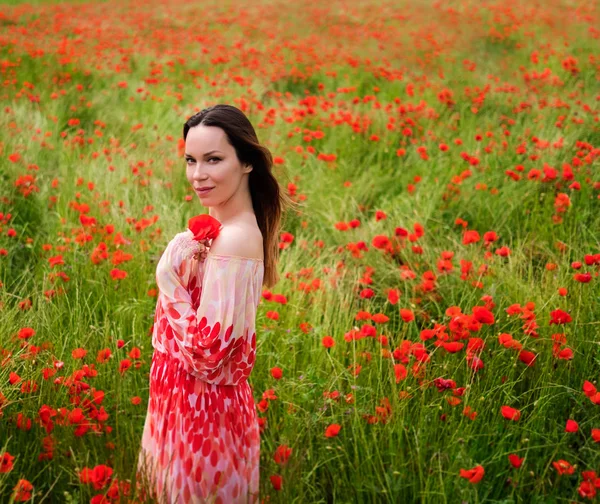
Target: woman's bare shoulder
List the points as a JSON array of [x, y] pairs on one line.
[[239, 239]]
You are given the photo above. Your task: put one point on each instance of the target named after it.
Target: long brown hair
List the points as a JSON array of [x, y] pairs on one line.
[[268, 200]]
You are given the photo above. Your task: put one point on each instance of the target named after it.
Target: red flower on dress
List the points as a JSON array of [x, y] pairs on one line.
[[204, 227]]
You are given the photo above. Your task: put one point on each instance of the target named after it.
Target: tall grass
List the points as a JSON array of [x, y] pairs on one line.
[[356, 66]]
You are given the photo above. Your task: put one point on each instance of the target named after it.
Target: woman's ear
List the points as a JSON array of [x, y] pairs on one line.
[[248, 168]]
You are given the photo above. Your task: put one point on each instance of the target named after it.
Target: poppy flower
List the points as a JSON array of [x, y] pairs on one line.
[[332, 430], [204, 227], [6, 462], [282, 453], [453, 346], [117, 274], [483, 315], [559, 317], [587, 490], [22, 490], [444, 384], [103, 355], [98, 476], [79, 353], [563, 467], [380, 318], [26, 332], [470, 236], [475, 363], [468, 412], [328, 341], [571, 426], [527, 357], [473, 475], [124, 365], [565, 354], [582, 277], [453, 401], [515, 461], [510, 413], [276, 481], [400, 371]]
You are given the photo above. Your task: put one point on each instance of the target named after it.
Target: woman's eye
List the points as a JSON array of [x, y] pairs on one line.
[[188, 161]]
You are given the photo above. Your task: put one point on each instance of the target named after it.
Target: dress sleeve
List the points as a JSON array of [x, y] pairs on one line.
[[206, 338]]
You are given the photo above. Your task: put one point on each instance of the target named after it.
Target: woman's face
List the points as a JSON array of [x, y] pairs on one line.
[[211, 161]]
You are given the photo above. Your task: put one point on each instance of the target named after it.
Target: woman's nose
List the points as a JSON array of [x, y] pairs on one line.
[[198, 170]]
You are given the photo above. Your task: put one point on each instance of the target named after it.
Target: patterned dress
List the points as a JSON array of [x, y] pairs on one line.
[[201, 436]]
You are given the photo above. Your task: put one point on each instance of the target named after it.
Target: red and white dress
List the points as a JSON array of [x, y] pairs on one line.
[[201, 437]]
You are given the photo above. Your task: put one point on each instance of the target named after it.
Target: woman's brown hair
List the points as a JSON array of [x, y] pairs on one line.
[[268, 200]]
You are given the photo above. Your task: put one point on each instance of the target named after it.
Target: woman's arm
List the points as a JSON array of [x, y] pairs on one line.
[[204, 339]]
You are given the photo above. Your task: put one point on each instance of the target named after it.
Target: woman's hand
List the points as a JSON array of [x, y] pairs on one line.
[[190, 248]]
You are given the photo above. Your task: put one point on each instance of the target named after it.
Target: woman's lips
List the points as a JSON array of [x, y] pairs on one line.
[[204, 191]]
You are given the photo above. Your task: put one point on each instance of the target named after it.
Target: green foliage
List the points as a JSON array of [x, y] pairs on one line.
[[127, 176]]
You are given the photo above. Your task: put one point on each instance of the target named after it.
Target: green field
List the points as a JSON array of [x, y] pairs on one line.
[[445, 161]]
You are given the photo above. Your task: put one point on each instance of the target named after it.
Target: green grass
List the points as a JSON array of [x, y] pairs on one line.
[[286, 53]]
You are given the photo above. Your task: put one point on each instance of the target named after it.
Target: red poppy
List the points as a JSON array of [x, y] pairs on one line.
[[572, 426], [515, 461], [583, 277], [98, 476], [400, 372], [103, 355], [563, 467], [204, 227], [473, 475], [587, 490], [276, 481], [510, 413], [26, 332], [328, 341], [22, 490], [124, 365], [453, 346], [483, 315], [589, 388], [453, 401], [282, 453], [527, 357], [559, 317], [332, 430], [6, 462]]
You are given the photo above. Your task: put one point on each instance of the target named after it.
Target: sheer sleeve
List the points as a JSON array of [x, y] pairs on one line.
[[215, 341]]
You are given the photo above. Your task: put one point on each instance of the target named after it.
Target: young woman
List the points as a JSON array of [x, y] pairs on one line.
[[201, 436]]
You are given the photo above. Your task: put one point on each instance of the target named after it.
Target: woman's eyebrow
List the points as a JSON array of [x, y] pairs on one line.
[[210, 152]]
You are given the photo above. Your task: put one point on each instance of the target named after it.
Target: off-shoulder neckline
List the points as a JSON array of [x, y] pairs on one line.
[[234, 257]]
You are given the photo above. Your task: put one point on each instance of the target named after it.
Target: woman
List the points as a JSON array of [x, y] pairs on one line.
[[201, 436]]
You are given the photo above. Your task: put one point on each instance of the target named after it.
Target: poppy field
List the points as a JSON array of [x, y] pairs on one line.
[[434, 335]]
